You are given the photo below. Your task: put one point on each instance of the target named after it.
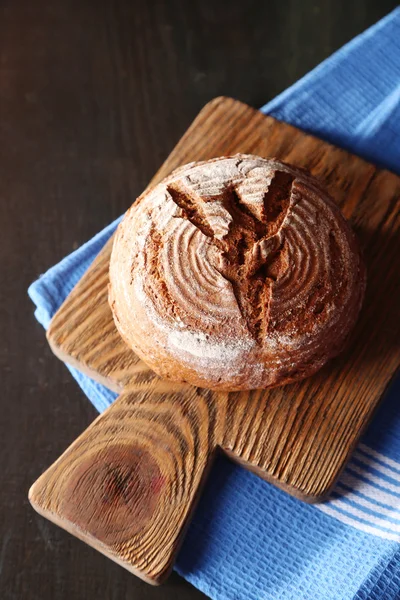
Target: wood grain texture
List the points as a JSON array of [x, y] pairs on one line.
[[128, 485]]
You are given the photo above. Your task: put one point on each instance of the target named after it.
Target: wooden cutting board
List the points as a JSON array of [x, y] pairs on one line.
[[128, 484]]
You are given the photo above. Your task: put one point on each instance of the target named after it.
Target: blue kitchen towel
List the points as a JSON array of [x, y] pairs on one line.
[[249, 540]]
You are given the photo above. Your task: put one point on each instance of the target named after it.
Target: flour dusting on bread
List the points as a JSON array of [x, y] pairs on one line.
[[234, 273]]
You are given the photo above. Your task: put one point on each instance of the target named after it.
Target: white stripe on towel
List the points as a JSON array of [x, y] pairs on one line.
[[367, 495], [330, 510]]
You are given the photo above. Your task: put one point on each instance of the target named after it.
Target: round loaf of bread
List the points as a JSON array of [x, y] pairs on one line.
[[235, 273]]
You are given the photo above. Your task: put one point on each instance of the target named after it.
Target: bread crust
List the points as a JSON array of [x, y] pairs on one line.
[[236, 273]]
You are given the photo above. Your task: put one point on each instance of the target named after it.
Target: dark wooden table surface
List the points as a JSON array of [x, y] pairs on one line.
[[93, 96]]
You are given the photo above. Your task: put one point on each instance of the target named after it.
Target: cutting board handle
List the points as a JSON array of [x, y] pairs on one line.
[[128, 484]]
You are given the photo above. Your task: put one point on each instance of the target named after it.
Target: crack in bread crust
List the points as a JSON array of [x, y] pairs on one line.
[[240, 260]]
